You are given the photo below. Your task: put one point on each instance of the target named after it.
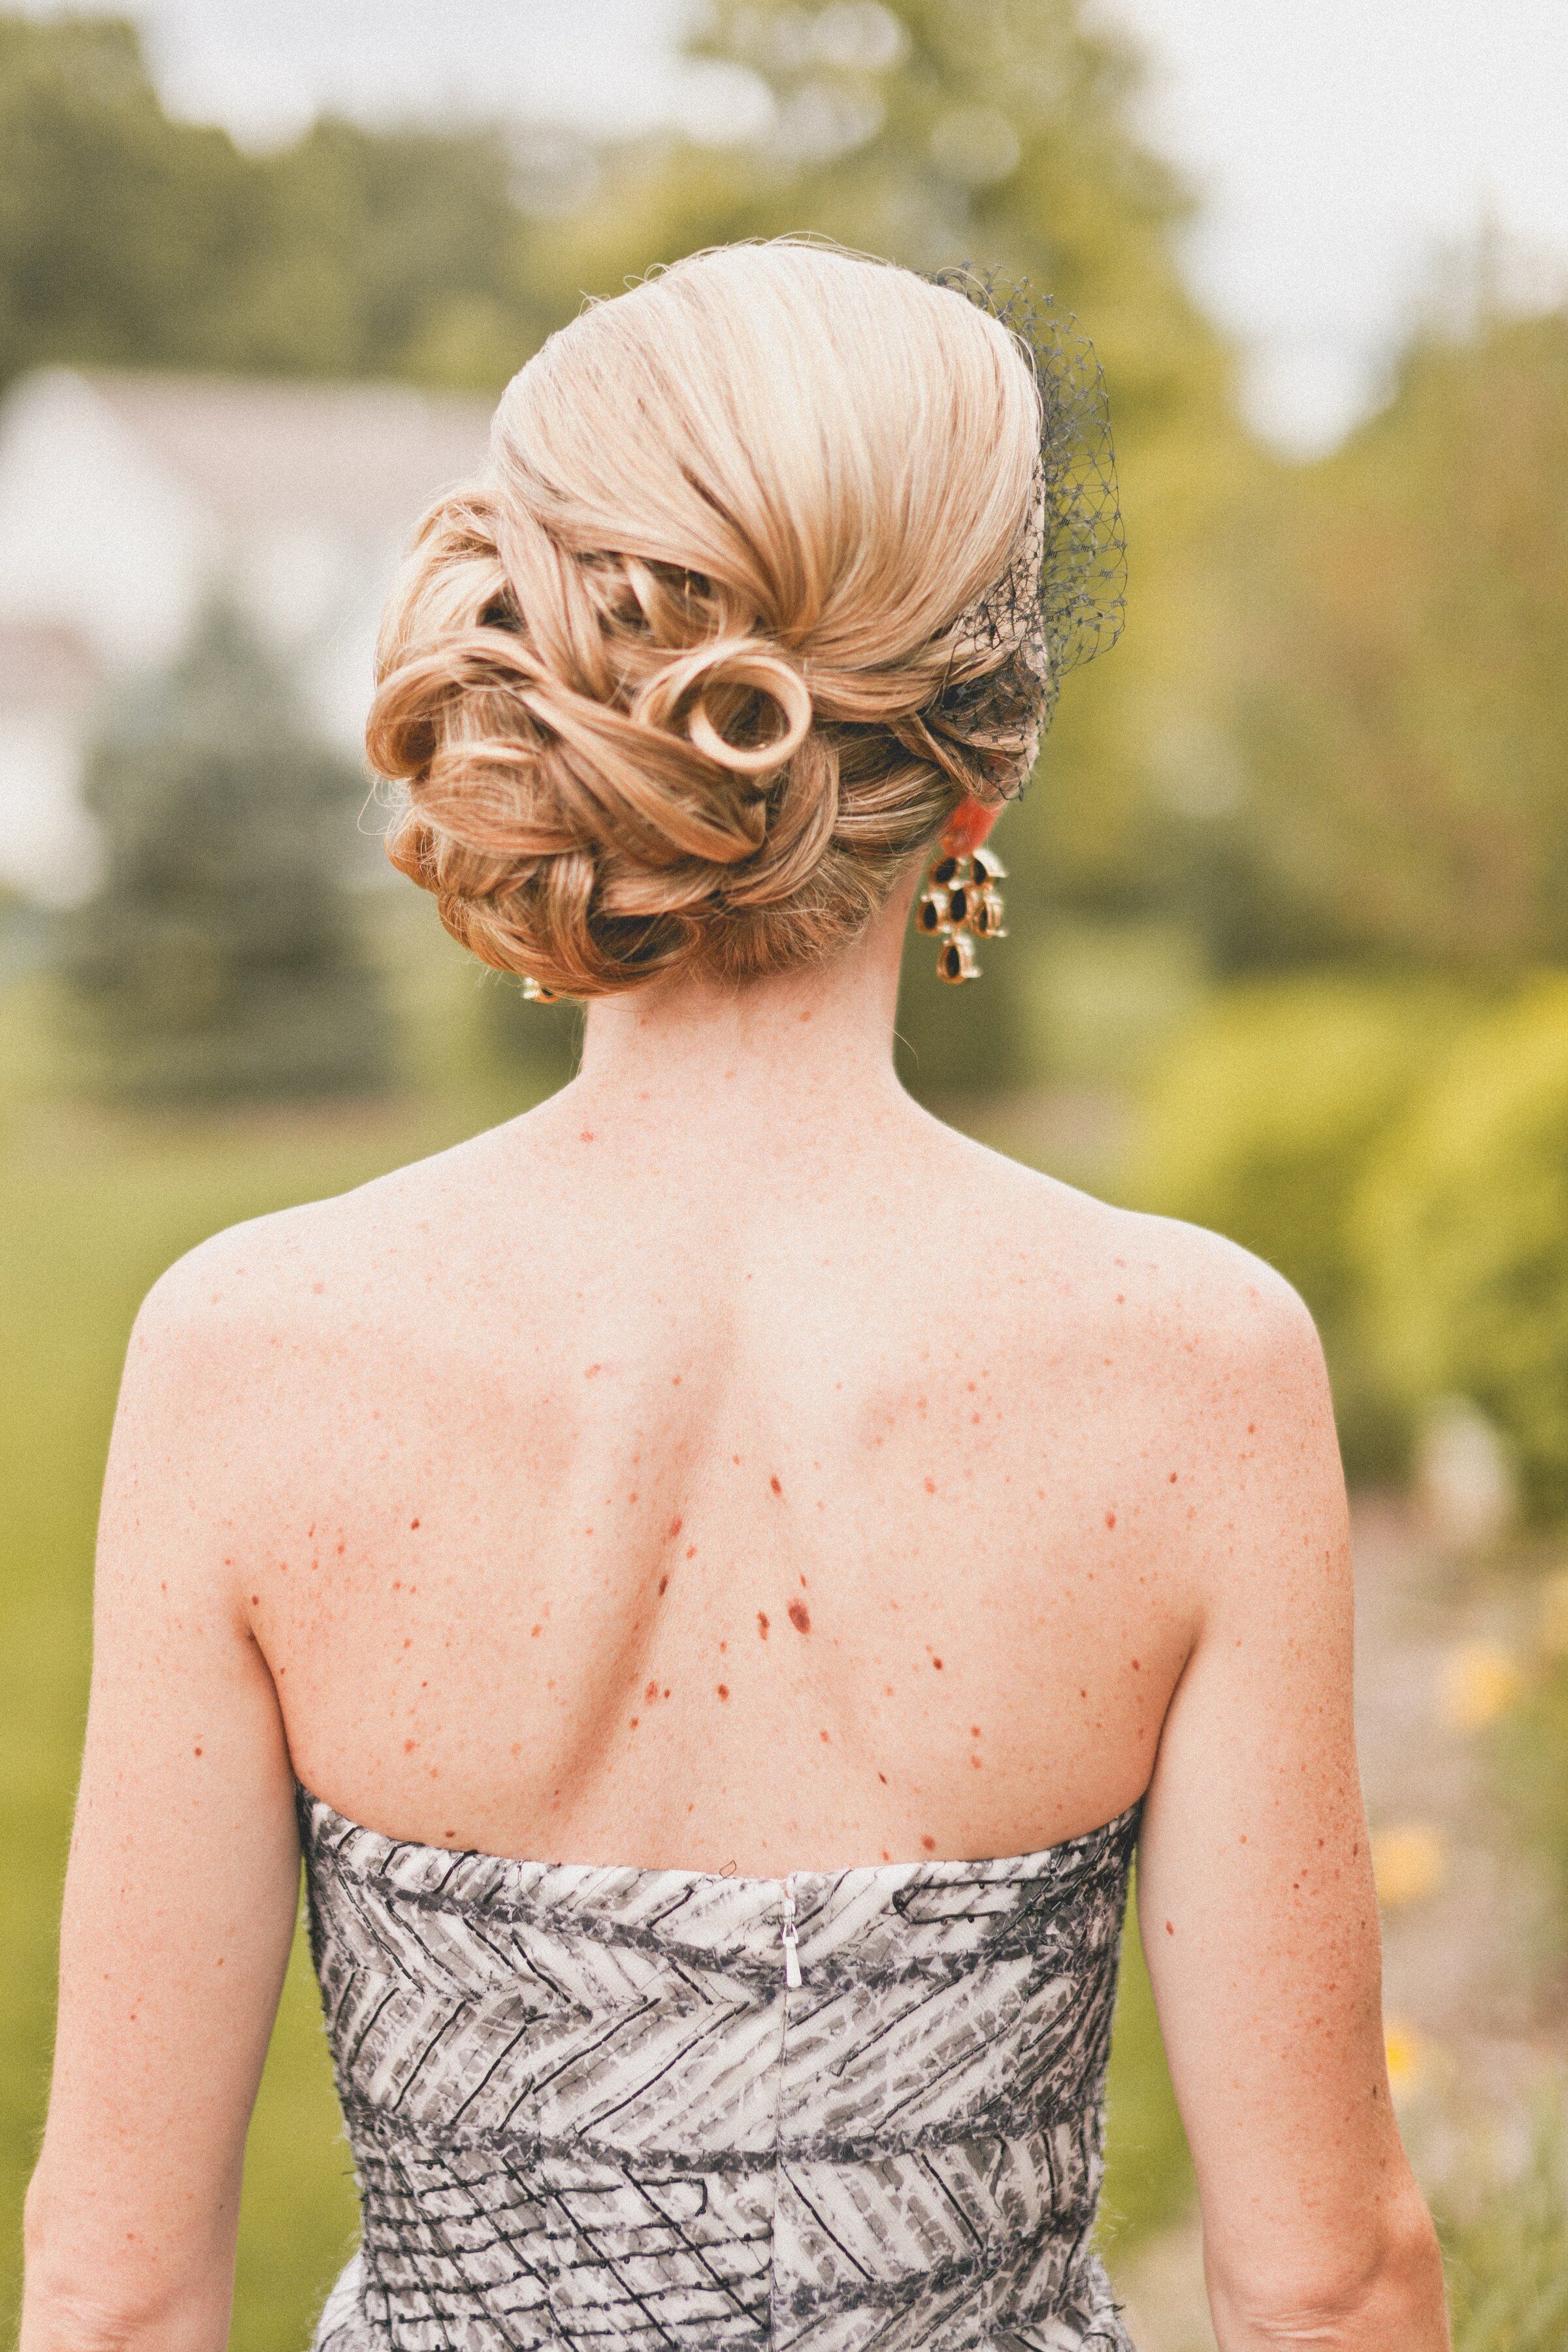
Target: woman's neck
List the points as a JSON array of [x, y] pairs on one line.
[[813, 1046]]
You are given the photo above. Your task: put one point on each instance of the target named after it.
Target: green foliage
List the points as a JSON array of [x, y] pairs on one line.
[[1530, 1755], [1507, 2261], [1403, 637], [1148, 2172], [1461, 1235], [128, 238], [219, 958], [1257, 1120]]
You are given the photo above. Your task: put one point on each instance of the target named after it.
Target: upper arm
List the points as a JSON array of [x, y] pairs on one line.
[[182, 1887], [1254, 1887]]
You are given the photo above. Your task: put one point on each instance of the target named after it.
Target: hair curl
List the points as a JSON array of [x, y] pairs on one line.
[[685, 683]]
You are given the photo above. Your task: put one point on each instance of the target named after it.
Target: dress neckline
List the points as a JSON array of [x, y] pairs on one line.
[[930, 1867]]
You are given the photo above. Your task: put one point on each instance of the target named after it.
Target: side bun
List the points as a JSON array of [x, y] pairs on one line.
[[684, 683]]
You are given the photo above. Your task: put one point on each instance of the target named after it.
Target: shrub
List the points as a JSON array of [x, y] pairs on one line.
[[1508, 2261], [221, 961], [1258, 1121], [1461, 1235]]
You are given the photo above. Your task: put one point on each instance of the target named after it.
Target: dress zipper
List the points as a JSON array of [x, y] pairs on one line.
[[790, 1942]]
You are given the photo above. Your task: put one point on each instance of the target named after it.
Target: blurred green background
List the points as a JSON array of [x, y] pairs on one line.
[[1288, 946]]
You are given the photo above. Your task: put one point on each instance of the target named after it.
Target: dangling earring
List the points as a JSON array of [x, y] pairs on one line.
[[535, 992], [961, 902]]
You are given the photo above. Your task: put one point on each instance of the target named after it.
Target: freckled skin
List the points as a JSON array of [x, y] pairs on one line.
[[1081, 1543]]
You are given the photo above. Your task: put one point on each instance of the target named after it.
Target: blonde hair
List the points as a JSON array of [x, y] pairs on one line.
[[686, 681]]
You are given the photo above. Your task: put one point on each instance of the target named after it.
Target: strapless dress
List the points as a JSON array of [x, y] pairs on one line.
[[635, 2110]]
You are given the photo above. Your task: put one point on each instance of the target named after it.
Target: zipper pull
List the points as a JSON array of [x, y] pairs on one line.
[[791, 1944]]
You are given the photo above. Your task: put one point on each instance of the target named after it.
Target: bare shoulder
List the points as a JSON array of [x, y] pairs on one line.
[[349, 1245], [1168, 1337], [1190, 1294]]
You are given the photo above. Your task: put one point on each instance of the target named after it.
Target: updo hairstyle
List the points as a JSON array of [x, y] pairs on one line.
[[686, 681]]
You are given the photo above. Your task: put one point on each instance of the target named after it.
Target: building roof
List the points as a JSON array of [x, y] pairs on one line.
[[365, 456]]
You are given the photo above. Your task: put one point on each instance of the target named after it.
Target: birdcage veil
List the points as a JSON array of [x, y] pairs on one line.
[[1062, 598]]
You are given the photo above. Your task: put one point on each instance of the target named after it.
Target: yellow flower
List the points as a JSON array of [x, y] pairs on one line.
[[1480, 1681], [1405, 2054], [1409, 1861]]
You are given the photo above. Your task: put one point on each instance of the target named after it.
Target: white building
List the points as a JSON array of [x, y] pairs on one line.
[[126, 500]]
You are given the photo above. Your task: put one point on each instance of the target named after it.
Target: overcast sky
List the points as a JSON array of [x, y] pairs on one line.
[[1337, 144]]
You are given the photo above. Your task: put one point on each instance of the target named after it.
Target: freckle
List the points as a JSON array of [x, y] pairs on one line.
[[632, 1496], [414, 1523], [651, 1691], [886, 1855], [586, 1136], [803, 1582], [1169, 1929], [409, 1642], [799, 1617], [883, 1778], [723, 1690], [536, 1633], [1136, 1668], [1242, 1841], [826, 1741], [930, 1486], [635, 1722], [666, 1691], [736, 1460], [255, 1600], [1172, 1479], [761, 1625], [722, 1647], [664, 1581], [517, 1748], [887, 1689], [1083, 1694], [937, 1664], [975, 1761], [1111, 1519], [774, 1483], [675, 1527], [975, 1731], [409, 1746], [342, 1548], [196, 1751], [675, 1380], [1252, 1429], [929, 1843], [691, 1552]]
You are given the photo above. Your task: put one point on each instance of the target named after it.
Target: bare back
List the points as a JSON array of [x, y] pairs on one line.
[[653, 1505]]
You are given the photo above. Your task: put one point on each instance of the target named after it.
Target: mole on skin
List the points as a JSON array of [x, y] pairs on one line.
[[799, 1617]]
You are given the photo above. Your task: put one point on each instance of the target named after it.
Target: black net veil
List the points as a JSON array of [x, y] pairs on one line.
[[1062, 598]]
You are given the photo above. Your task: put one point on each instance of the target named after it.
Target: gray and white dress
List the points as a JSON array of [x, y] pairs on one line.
[[663, 2111]]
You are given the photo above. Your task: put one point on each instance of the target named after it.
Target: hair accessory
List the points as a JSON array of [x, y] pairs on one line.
[[1062, 598], [961, 902]]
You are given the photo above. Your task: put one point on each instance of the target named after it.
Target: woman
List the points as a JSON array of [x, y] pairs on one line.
[[718, 1572]]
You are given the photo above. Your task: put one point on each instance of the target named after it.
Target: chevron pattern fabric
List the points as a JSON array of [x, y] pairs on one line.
[[587, 2107]]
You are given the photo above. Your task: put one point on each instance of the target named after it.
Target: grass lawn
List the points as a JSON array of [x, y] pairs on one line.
[[93, 1206]]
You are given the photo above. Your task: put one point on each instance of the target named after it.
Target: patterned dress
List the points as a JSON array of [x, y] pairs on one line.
[[662, 2111]]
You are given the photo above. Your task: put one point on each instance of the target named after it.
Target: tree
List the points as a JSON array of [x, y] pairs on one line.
[[130, 240], [1405, 698], [218, 960]]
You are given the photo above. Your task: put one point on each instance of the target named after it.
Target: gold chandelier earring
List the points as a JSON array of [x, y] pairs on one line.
[[961, 902]]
